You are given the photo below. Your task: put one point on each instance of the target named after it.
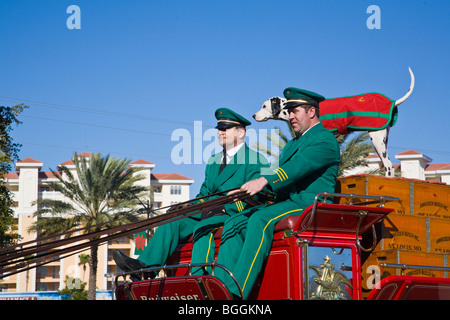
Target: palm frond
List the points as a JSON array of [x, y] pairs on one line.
[[96, 180], [354, 150]]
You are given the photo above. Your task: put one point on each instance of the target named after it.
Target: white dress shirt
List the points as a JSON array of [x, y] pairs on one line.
[[230, 153]]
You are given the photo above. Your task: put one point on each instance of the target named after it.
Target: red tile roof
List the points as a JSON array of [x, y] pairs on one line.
[[373, 156], [84, 154], [437, 166], [41, 175], [142, 161], [87, 154], [29, 160], [66, 163], [408, 152], [11, 175], [169, 176], [47, 175]]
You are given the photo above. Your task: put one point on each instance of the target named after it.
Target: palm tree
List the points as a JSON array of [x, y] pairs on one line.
[[84, 259], [354, 150], [277, 143], [96, 180]]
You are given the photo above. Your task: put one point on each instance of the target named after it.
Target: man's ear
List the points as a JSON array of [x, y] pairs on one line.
[[242, 133], [311, 112]]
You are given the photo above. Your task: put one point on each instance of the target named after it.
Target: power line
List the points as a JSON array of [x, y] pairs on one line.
[[140, 117], [104, 127], [96, 125], [95, 111], [96, 150]]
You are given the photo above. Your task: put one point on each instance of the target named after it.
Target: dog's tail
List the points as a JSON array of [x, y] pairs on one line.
[[411, 88]]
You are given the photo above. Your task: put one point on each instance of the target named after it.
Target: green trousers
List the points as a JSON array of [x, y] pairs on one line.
[[166, 239], [246, 243], [204, 248], [168, 236]]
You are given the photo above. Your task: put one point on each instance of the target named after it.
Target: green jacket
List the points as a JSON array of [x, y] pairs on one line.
[[307, 165], [244, 166]]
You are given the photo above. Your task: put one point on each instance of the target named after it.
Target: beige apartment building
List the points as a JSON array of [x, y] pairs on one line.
[[28, 184], [413, 165]]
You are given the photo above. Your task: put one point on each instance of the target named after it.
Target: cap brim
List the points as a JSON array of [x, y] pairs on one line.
[[294, 104], [225, 125]]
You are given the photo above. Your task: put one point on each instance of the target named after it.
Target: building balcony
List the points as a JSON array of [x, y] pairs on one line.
[[54, 195], [158, 196]]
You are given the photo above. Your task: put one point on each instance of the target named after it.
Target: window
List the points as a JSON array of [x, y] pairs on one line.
[[54, 272], [13, 188], [329, 275], [175, 189], [44, 271]]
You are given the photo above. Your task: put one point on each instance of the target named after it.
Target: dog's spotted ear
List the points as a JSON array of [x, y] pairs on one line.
[[284, 115], [276, 105]]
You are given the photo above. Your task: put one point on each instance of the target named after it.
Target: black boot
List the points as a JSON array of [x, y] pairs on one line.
[[128, 264]]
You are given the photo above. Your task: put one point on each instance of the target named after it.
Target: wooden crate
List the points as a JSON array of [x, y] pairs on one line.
[[352, 184], [378, 186], [413, 258], [406, 233], [413, 233], [417, 197], [432, 200], [439, 236], [372, 270]]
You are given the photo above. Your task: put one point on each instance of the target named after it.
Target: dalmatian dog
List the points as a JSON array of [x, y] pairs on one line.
[[273, 109]]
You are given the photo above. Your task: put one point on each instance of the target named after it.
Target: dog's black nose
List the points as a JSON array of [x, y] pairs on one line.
[[254, 116]]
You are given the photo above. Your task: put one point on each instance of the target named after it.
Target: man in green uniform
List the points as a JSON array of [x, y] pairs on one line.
[[225, 170], [308, 165]]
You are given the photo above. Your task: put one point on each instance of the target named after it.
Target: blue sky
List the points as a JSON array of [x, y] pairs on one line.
[[137, 71]]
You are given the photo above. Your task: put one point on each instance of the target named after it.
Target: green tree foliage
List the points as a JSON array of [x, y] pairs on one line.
[[75, 289], [354, 150], [8, 153]]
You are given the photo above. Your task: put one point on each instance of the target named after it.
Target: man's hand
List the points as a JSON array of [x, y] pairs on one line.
[[254, 186]]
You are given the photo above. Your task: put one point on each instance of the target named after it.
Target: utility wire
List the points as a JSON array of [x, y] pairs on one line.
[[128, 154], [96, 125], [95, 111], [140, 117]]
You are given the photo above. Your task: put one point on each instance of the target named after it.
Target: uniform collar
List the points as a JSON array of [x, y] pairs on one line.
[[310, 128], [230, 153]]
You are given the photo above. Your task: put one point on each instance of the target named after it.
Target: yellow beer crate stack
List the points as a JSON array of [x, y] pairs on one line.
[[416, 233]]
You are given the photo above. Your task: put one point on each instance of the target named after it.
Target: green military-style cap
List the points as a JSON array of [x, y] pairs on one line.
[[227, 118], [296, 97]]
